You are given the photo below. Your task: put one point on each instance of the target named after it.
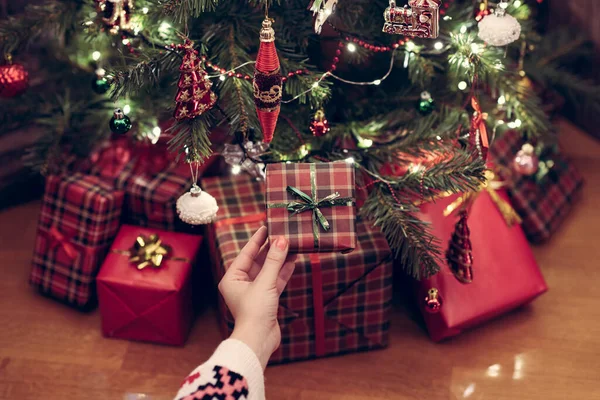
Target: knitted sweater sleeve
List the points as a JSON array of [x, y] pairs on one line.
[[233, 371]]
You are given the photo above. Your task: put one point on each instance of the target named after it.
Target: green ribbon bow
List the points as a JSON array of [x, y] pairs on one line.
[[312, 203]]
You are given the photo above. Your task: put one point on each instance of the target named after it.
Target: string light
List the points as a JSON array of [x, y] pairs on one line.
[[501, 100], [349, 160], [517, 3], [377, 82], [364, 143], [96, 55], [145, 10], [476, 48], [125, 42], [462, 85], [126, 108], [438, 45], [410, 46], [463, 29], [222, 77], [236, 169], [156, 131], [518, 123], [351, 47], [164, 28]]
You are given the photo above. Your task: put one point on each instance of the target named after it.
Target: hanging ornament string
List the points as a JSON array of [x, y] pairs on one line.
[[326, 74]]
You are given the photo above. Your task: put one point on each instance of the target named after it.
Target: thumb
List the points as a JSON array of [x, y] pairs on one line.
[[274, 261]]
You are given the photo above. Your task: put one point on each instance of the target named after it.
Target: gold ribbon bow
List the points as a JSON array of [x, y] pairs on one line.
[[491, 185], [149, 251]]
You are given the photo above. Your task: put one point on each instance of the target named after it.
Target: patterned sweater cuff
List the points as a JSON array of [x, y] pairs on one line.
[[238, 357]]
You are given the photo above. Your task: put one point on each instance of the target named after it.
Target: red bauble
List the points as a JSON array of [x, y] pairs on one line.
[[14, 80], [319, 126], [460, 251], [526, 162], [433, 301]]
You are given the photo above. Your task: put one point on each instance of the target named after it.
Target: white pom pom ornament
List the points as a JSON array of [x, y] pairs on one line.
[[499, 28], [197, 207]]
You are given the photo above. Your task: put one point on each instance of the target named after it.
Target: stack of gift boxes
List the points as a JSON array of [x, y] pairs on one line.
[[110, 231]]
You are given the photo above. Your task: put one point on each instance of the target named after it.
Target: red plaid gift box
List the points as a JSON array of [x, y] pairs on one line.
[[333, 304], [78, 221], [154, 303], [313, 206], [543, 203], [505, 273]]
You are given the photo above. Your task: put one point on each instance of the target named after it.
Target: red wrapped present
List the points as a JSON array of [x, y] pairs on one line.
[[313, 205], [505, 273], [78, 221], [333, 304], [144, 286], [543, 199]]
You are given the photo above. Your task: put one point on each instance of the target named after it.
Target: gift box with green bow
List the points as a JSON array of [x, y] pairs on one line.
[[313, 205]]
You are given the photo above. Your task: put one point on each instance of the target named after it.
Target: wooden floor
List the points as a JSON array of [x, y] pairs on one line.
[[549, 350]]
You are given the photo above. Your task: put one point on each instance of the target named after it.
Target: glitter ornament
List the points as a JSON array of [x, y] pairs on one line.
[[120, 123], [194, 96], [247, 157], [197, 207], [319, 126], [14, 79], [267, 82], [426, 104], [460, 251], [433, 301], [499, 28], [100, 85], [526, 162]]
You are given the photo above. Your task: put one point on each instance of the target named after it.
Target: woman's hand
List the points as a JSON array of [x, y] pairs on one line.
[[251, 288]]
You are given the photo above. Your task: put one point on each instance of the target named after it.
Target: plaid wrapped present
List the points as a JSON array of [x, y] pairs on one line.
[[313, 205], [543, 200], [78, 221], [333, 304]]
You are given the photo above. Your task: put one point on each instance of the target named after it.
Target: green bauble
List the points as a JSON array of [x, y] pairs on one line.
[[120, 123], [426, 104], [100, 85]]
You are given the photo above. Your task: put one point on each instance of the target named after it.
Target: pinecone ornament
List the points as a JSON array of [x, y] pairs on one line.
[[460, 251]]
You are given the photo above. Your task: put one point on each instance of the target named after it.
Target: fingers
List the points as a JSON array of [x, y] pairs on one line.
[[246, 257], [285, 274], [275, 258]]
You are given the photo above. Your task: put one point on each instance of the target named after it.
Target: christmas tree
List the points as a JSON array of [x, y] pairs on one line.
[[406, 93]]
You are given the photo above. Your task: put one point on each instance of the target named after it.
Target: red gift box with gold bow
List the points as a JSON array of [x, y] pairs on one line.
[[79, 219], [334, 303], [504, 272], [145, 287]]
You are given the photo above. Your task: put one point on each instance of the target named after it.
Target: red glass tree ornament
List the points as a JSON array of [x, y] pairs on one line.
[[267, 82], [433, 301], [460, 251], [14, 79], [319, 125], [194, 96]]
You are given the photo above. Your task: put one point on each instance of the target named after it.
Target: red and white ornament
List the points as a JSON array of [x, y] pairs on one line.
[[526, 162], [268, 82], [14, 79]]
